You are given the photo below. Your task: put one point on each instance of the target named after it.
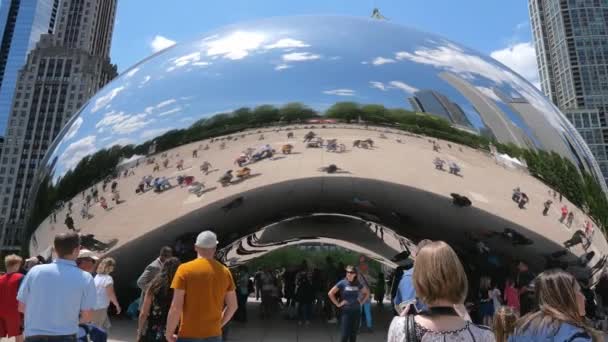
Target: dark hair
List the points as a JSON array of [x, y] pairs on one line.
[[66, 243], [163, 279], [166, 252]]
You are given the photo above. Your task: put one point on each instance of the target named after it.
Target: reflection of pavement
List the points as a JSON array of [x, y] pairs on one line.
[[348, 233], [411, 163], [276, 329]]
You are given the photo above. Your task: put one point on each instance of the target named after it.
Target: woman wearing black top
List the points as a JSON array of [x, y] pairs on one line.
[[157, 301]]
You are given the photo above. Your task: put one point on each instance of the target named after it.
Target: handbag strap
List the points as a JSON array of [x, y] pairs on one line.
[[410, 329]]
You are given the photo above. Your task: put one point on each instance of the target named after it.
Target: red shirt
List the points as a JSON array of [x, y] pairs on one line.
[[9, 286]]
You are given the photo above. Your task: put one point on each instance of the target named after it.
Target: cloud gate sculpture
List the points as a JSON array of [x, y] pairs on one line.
[[321, 130]]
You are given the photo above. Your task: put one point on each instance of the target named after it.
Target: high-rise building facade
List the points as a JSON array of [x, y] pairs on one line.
[[22, 22], [64, 70], [433, 102], [571, 41]]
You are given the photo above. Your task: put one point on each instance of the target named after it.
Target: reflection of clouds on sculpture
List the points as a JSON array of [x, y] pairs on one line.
[[132, 123], [74, 128], [340, 92], [300, 57], [400, 85], [489, 93], [131, 72], [382, 60], [234, 46], [104, 100], [282, 67], [77, 151], [287, 43], [152, 133]]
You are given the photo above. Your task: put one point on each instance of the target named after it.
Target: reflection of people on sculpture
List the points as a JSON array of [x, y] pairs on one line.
[[577, 238], [332, 168], [570, 219], [523, 200], [454, 169], [226, 178], [103, 203], [516, 195], [547, 205], [183, 181], [333, 146], [205, 167], [241, 160], [515, 237], [261, 137], [116, 197], [161, 184], [287, 148], [180, 165], [69, 222], [438, 163], [290, 135], [195, 153], [564, 214], [243, 173], [460, 201], [88, 241], [206, 147], [309, 136]]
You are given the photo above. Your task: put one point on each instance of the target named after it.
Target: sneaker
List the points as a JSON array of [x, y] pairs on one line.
[[332, 321]]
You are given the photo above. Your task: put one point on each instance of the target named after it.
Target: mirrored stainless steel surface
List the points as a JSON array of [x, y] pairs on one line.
[[410, 132]]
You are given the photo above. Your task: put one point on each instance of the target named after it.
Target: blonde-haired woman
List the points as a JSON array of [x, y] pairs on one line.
[[105, 293], [441, 283], [561, 314]]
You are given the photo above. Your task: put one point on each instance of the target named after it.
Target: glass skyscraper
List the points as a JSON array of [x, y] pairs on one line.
[[22, 22], [571, 41]]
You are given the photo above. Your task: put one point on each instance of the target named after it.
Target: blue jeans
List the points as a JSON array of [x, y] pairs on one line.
[[206, 339], [304, 311], [349, 324], [366, 310]]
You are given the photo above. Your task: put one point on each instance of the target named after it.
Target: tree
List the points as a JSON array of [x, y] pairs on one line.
[[296, 111], [347, 111]]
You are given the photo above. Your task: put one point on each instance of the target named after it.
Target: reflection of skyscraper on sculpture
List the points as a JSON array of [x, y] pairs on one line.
[[495, 120], [535, 120], [433, 102]]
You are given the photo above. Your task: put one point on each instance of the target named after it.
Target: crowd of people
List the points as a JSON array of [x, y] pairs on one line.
[[68, 298]]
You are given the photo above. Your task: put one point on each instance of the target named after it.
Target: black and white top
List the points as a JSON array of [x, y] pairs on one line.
[[469, 333]]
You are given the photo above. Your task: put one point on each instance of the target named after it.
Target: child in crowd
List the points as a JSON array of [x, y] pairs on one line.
[[504, 323]]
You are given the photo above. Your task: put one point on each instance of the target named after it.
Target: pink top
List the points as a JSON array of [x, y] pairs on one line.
[[512, 297]]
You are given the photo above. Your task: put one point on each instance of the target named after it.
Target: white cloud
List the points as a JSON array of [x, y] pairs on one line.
[[300, 57], [170, 111], [340, 92], [165, 103], [105, 100], [78, 150], [364, 62], [382, 60], [131, 72], [521, 58], [282, 67], [111, 118], [377, 85], [235, 46], [153, 133], [160, 43], [145, 80], [132, 124], [403, 86], [74, 128], [120, 141], [287, 43]]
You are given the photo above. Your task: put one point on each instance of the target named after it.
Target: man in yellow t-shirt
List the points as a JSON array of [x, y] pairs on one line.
[[203, 294]]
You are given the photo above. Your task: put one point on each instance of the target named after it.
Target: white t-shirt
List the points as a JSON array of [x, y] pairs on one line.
[[495, 295], [102, 281]]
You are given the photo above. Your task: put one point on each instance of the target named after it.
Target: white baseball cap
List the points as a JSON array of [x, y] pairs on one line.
[[206, 239], [85, 253]]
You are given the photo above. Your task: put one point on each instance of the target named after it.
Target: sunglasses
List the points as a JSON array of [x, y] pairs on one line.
[[351, 272]]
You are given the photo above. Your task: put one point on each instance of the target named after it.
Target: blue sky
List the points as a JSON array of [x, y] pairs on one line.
[[145, 26]]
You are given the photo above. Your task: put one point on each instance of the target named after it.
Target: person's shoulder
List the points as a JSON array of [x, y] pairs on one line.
[[569, 332], [484, 333]]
